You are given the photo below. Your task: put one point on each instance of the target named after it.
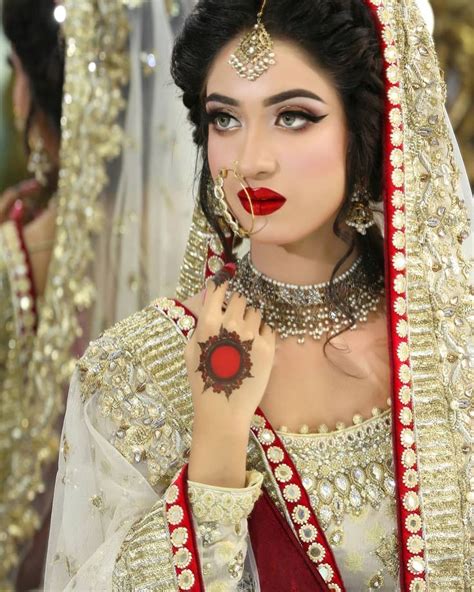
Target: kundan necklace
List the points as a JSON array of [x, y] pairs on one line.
[[294, 310]]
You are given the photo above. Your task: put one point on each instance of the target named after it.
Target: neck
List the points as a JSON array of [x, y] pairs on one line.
[[309, 261]]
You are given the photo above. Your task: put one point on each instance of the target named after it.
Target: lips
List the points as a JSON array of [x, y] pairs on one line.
[[264, 201]]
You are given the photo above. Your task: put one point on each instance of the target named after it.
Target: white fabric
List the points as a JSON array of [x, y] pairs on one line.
[[86, 536], [149, 201], [426, 11]]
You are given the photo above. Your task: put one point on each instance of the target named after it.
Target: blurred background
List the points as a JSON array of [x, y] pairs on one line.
[[454, 38]]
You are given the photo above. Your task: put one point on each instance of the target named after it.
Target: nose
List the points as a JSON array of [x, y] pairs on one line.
[[256, 159]]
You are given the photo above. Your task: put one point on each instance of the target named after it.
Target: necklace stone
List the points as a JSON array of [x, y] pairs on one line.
[[297, 311]]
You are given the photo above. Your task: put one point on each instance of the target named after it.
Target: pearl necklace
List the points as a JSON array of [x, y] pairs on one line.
[[297, 311]]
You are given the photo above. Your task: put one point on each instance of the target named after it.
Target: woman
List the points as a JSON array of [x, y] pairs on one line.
[[312, 119], [27, 231]]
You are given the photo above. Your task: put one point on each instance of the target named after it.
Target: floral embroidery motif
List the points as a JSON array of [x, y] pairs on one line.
[[227, 508], [387, 552]]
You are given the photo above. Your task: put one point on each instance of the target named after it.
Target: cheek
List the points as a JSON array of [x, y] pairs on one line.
[[219, 153], [323, 158]]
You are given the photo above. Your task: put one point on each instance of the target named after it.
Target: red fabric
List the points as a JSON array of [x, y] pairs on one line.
[[393, 318], [282, 563], [182, 501], [268, 438]]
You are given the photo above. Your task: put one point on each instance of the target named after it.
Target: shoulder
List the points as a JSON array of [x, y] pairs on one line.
[[145, 348]]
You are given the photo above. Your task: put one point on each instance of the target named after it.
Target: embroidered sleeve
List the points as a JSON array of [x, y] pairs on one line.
[[120, 449], [220, 521], [121, 514]]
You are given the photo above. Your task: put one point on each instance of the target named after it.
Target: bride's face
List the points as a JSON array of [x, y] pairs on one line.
[[287, 130]]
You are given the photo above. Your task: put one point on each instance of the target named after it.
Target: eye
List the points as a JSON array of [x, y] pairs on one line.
[[222, 121], [297, 120]]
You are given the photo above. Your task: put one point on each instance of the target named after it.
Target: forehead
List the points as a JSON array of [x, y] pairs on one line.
[[294, 69]]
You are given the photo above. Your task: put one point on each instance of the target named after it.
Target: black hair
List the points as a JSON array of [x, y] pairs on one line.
[[341, 37], [35, 37]]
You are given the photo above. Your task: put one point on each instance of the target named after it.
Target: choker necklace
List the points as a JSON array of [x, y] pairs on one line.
[[297, 311]]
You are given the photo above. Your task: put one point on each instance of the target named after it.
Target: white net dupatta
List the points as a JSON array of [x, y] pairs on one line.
[[149, 204]]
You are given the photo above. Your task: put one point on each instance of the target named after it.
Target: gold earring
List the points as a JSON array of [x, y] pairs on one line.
[[360, 215], [39, 163], [254, 54]]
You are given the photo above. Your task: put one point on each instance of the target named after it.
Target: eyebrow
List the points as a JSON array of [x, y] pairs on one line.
[[273, 100]]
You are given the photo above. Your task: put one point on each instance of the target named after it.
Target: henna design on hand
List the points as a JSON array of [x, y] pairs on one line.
[[225, 362]]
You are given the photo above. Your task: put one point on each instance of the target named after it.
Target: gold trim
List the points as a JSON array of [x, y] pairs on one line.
[[435, 219], [193, 269]]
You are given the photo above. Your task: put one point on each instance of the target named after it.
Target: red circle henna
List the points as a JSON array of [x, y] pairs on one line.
[[225, 362]]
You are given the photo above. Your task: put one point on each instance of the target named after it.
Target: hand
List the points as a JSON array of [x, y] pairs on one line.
[[10, 195], [229, 357], [229, 360]]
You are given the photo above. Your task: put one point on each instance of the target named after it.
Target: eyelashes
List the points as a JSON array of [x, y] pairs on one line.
[[211, 118], [302, 118]]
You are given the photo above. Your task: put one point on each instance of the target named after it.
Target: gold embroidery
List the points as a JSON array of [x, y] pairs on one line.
[[387, 552], [91, 104], [345, 471], [354, 561], [225, 507], [438, 302], [20, 455], [147, 538]]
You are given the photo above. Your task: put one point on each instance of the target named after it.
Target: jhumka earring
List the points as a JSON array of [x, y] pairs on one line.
[[254, 54], [39, 163], [223, 207], [360, 215]]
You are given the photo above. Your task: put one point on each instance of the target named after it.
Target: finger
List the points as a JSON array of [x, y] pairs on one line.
[[214, 300], [28, 187], [9, 195], [253, 318], [6, 203], [267, 332], [236, 308]]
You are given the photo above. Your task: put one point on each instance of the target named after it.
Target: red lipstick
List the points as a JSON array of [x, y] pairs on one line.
[[264, 201]]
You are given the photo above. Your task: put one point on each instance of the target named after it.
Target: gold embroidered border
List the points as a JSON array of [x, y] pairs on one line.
[[21, 289], [436, 280], [193, 269], [18, 521], [145, 561]]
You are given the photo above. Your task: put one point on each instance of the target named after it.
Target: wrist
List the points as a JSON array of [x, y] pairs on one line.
[[218, 455]]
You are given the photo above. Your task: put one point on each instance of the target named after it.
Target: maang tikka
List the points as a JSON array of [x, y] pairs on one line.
[[254, 54]]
